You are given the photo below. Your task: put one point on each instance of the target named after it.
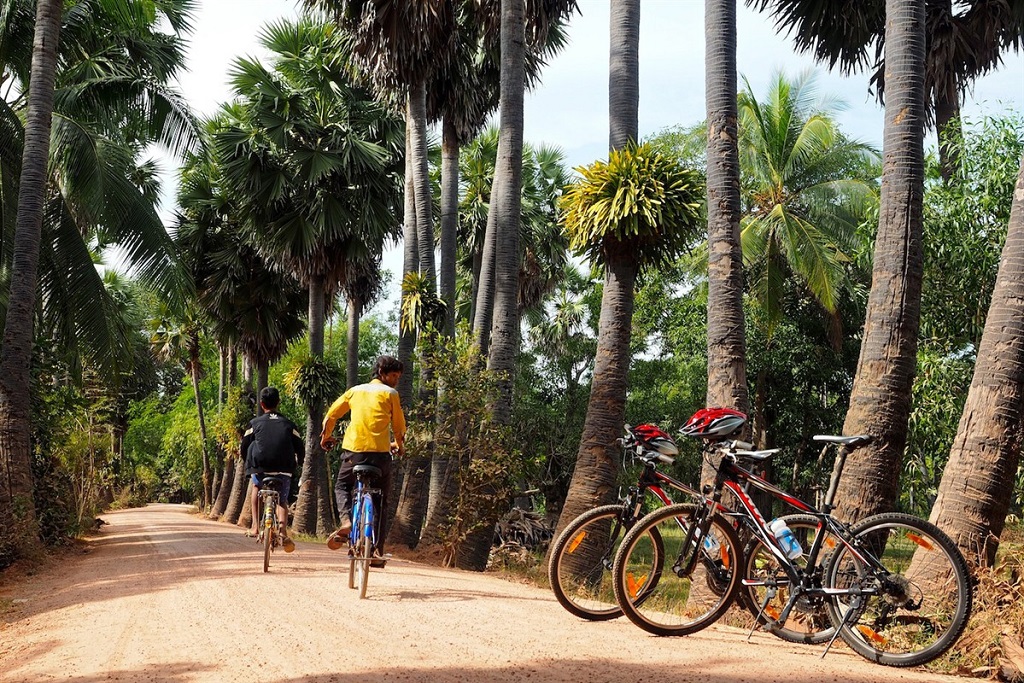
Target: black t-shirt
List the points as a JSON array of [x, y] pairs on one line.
[[271, 444]]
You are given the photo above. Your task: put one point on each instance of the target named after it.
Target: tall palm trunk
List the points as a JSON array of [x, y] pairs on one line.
[[506, 207], [224, 492], [727, 374], [442, 490], [17, 508], [195, 370], [597, 462], [449, 219], [410, 264], [308, 513], [411, 484], [974, 495], [352, 341], [483, 307], [880, 400], [947, 96]]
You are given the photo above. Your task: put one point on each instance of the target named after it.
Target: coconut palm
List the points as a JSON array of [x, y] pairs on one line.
[[806, 188], [881, 395], [965, 39], [727, 378], [636, 211], [19, 534], [311, 162]]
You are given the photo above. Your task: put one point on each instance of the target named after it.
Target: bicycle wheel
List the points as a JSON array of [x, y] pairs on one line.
[[364, 564], [268, 543], [915, 605], [808, 622], [649, 591], [581, 563]]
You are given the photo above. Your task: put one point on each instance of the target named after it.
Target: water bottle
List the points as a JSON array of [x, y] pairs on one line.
[[787, 541], [711, 545]]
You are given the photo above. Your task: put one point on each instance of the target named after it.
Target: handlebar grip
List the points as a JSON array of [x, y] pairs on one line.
[[742, 446]]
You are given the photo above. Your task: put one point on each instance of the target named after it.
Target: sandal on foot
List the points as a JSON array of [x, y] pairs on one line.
[[287, 543]]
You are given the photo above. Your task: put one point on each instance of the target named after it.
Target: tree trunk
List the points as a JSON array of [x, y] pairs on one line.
[[222, 374], [948, 129], [506, 210], [412, 503], [727, 374], [410, 264], [417, 122], [237, 497], [975, 491], [307, 506], [449, 220], [18, 533], [594, 479], [352, 342], [483, 308], [624, 74], [224, 494], [881, 395], [232, 366], [207, 479]]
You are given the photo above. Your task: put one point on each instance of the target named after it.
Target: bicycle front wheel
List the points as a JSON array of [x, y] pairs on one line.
[[363, 564], [653, 586], [767, 592], [580, 568], [914, 605]]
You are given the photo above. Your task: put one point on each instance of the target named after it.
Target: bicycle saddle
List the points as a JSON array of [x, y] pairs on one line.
[[272, 482], [851, 441], [367, 470], [757, 455]]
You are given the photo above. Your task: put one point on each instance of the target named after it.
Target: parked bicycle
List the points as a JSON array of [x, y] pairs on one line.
[[580, 564], [364, 533], [894, 587], [270, 496]]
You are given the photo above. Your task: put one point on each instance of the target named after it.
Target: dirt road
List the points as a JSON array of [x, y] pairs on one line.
[[162, 595]]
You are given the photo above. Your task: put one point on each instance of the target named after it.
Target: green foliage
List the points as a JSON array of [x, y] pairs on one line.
[[230, 422], [421, 306], [466, 433], [314, 380], [639, 200], [964, 228]]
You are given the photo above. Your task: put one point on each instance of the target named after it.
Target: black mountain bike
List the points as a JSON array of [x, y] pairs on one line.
[[894, 587]]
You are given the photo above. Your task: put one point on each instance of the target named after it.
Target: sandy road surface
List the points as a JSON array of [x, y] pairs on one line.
[[163, 595]]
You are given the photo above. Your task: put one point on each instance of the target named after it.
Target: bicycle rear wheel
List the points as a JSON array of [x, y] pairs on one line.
[[915, 606], [808, 622], [363, 568], [268, 543], [648, 589], [580, 568]]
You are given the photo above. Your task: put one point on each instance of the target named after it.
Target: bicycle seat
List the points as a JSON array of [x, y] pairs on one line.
[[367, 471], [272, 483], [848, 441], [757, 455]]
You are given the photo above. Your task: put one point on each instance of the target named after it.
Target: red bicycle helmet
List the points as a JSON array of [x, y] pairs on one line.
[[655, 437], [714, 423]]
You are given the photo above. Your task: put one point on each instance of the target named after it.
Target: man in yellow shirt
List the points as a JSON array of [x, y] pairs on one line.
[[376, 411]]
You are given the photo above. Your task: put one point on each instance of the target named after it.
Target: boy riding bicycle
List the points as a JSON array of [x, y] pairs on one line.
[[272, 447], [375, 408]]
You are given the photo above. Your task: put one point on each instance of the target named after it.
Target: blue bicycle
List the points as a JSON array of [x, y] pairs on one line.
[[362, 539]]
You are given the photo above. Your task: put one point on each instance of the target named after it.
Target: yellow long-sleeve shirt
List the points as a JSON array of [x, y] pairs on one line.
[[375, 407]]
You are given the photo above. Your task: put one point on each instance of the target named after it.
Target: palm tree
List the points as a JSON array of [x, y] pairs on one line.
[[727, 375], [15, 427], [312, 163], [639, 210], [965, 39], [880, 399], [175, 336], [806, 188], [973, 496]]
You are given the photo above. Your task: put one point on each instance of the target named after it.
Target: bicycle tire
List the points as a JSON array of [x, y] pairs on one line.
[[579, 569], [675, 605], [809, 622], [921, 605], [364, 574], [268, 544]]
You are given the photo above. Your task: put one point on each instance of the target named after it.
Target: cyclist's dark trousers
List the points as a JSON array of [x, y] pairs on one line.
[[346, 481]]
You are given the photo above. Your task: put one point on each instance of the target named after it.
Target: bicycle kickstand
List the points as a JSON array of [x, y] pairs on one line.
[[851, 610], [769, 595]]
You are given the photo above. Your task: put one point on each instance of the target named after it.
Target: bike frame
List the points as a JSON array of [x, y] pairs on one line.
[[363, 513], [730, 475]]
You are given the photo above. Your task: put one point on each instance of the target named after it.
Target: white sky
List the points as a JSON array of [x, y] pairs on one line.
[[570, 108]]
